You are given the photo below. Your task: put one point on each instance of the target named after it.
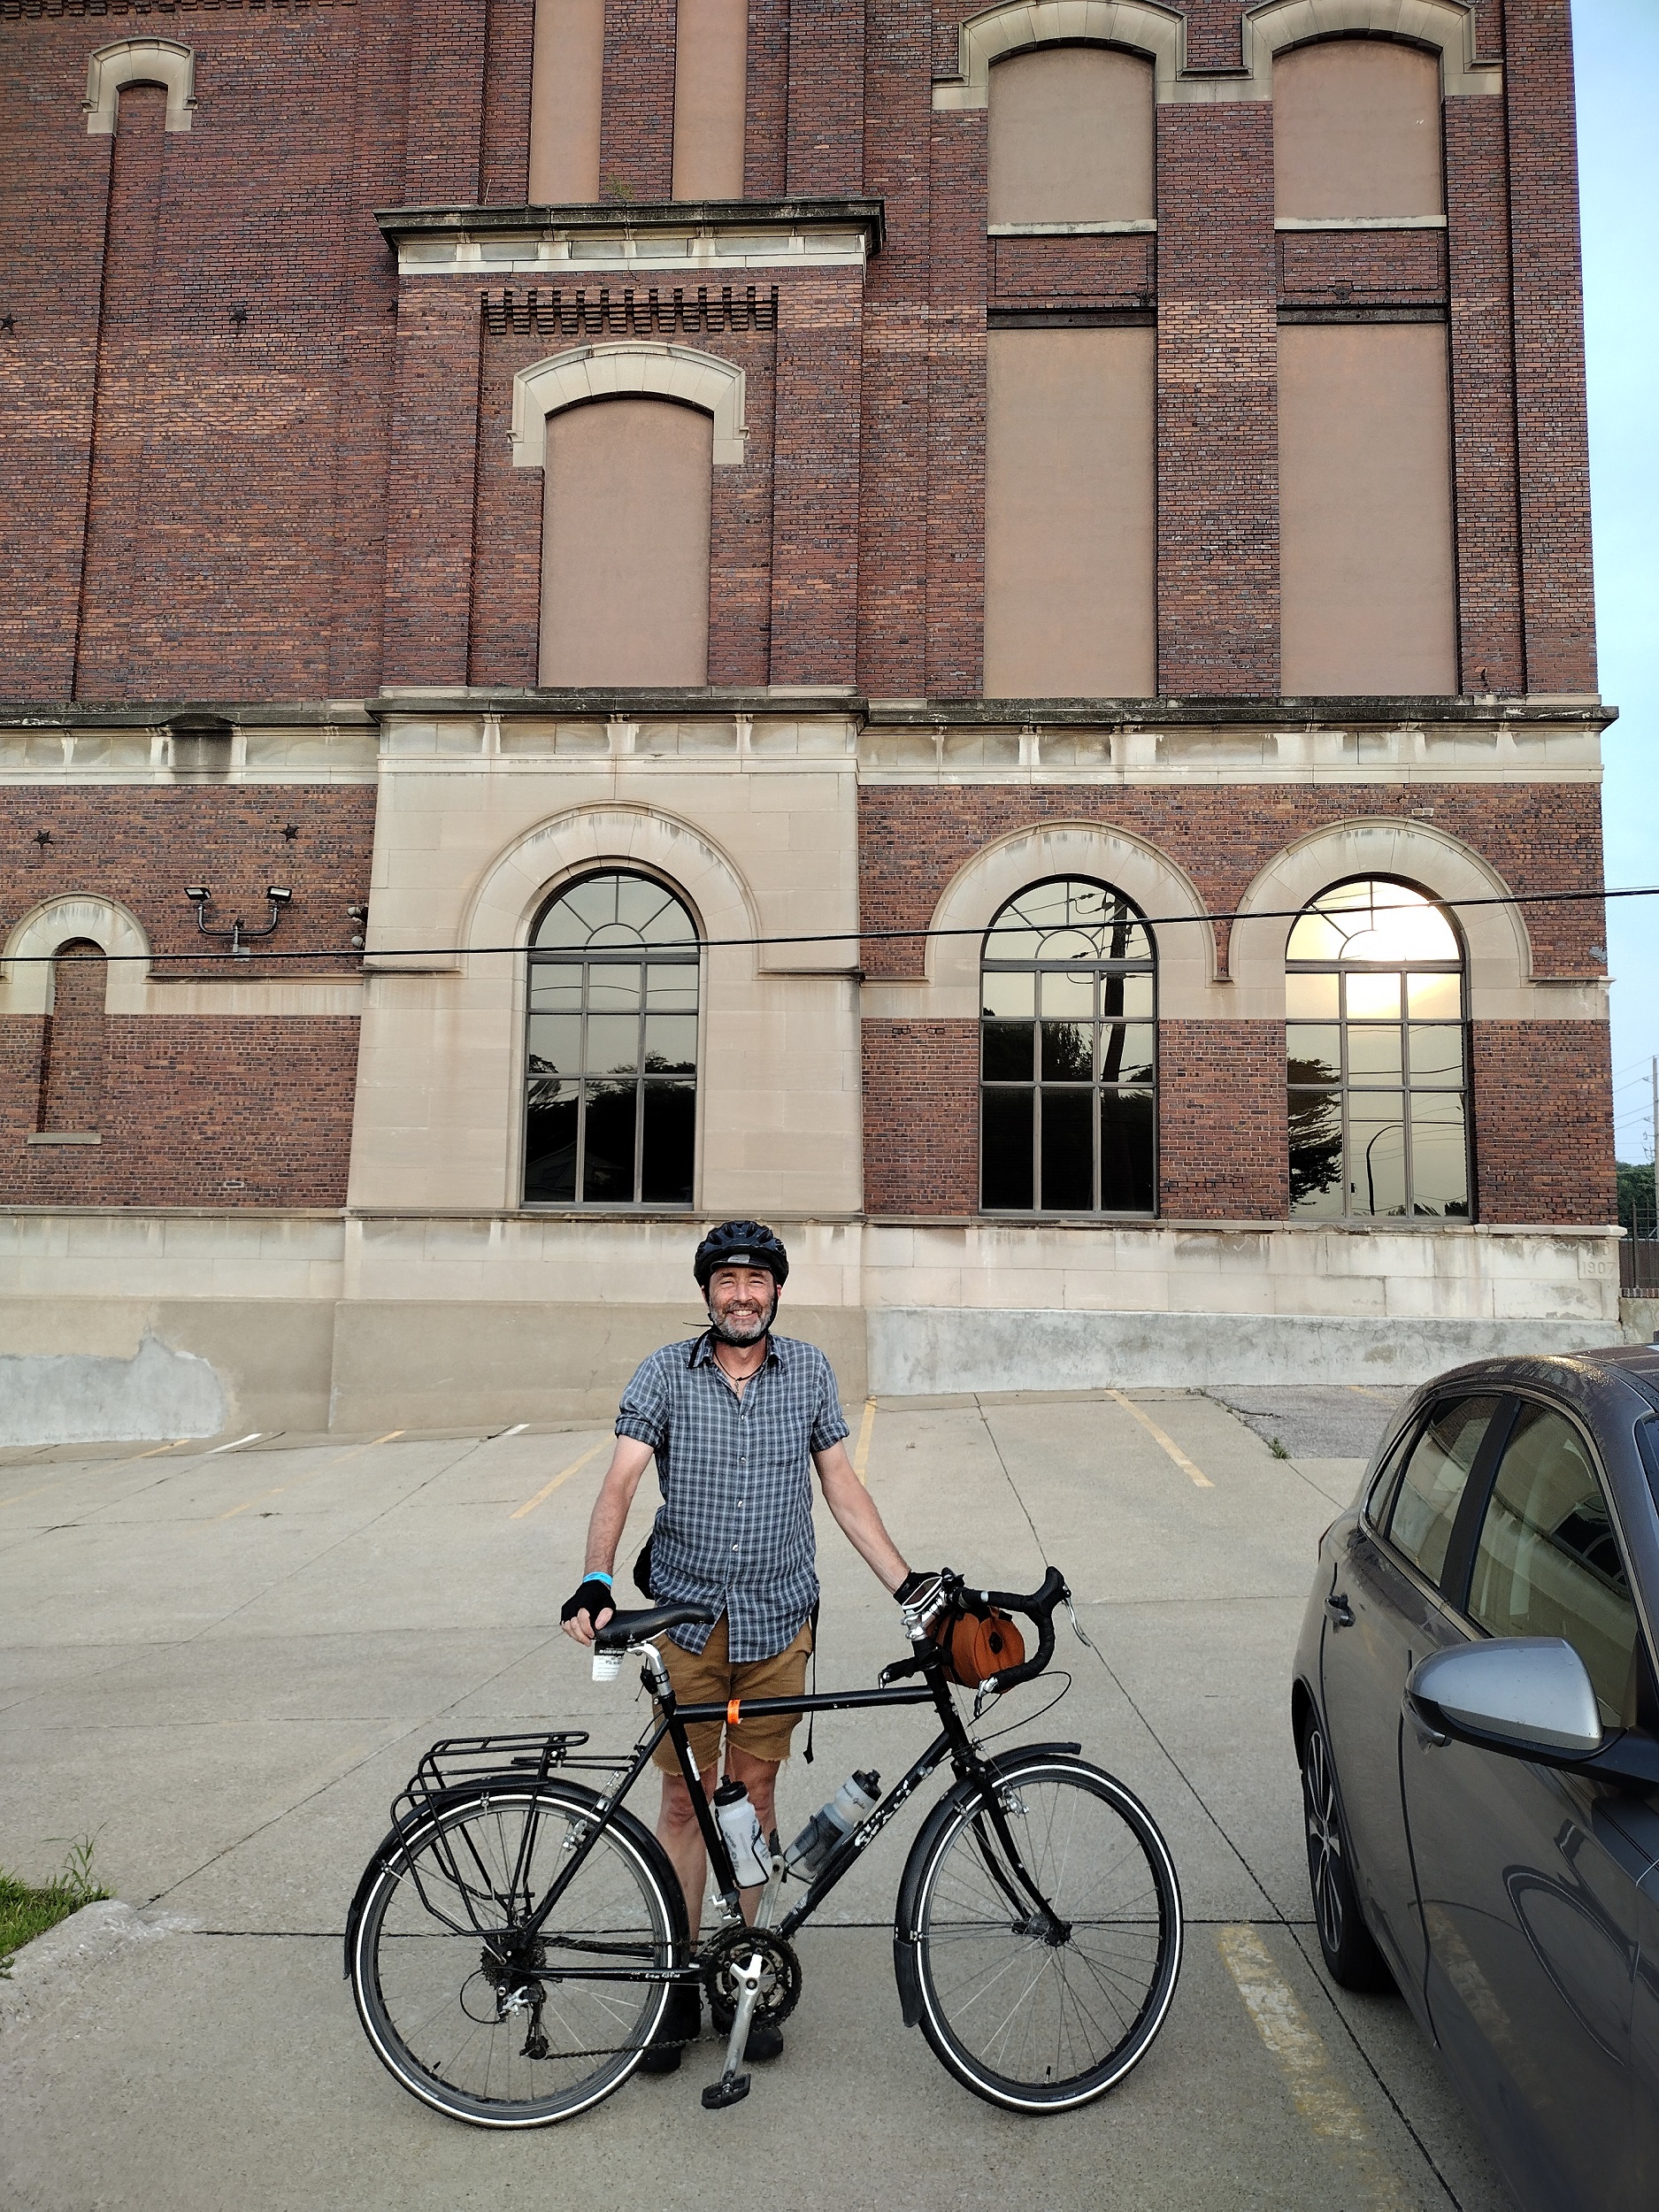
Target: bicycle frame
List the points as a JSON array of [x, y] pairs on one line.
[[953, 1742]]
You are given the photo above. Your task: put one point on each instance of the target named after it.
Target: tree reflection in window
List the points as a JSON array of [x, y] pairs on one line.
[[1376, 1095], [611, 1050], [1068, 1055]]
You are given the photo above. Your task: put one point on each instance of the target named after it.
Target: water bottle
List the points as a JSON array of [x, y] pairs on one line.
[[850, 1807], [740, 1826]]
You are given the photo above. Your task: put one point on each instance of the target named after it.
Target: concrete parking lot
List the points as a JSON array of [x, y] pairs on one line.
[[224, 1662]]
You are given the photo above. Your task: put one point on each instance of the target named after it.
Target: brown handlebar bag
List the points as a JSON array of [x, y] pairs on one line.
[[977, 1641]]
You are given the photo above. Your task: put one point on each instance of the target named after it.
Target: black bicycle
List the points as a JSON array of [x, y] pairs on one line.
[[513, 1941]]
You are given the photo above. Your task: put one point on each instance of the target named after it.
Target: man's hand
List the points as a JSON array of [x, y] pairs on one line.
[[589, 1608], [922, 1594]]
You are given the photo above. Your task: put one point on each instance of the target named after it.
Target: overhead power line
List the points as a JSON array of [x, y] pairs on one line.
[[846, 936]]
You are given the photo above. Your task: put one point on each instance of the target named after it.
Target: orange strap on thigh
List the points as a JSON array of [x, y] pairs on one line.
[[731, 1711]]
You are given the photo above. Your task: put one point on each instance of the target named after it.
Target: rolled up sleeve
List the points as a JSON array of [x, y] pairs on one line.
[[644, 1410]]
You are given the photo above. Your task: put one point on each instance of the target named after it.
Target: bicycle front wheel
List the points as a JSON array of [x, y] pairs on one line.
[[475, 2016], [1041, 2012]]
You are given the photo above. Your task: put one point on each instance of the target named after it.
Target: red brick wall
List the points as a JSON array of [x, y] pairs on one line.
[[1222, 1150], [1543, 1122], [1539, 837], [506, 156], [74, 1048], [636, 114], [1217, 401], [921, 1117], [196, 1111]]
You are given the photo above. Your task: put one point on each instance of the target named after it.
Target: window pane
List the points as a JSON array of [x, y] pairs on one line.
[[1316, 1152], [1127, 995], [1069, 993], [1373, 997], [1126, 1052], [1013, 994], [572, 919], [613, 1042], [1005, 1148], [1548, 1562], [1006, 1051], [1436, 1473], [672, 990], [1313, 1051], [1127, 1183], [1431, 998], [670, 1143], [1440, 1155], [550, 1144], [1311, 998], [1376, 1154], [1068, 1151], [1373, 1052], [1315, 937], [608, 1147], [555, 990], [1369, 919], [671, 1044], [1068, 1051], [612, 990], [1437, 1053], [556, 1044]]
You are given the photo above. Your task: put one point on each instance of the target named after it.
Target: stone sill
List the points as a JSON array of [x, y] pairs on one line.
[[64, 1136], [781, 221]]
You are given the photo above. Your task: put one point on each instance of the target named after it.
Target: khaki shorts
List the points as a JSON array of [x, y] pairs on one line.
[[703, 1677]]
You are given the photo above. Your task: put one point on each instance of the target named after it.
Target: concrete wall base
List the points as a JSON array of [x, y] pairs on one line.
[[924, 1349]]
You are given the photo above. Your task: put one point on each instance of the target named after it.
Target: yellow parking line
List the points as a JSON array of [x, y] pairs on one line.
[[114, 1468], [1168, 1442], [1299, 2051], [249, 1504], [861, 1457], [564, 1475]]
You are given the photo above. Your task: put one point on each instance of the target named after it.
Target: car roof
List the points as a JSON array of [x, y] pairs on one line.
[[1636, 1365]]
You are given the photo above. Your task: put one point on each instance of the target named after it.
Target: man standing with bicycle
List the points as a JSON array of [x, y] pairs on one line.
[[736, 1421]]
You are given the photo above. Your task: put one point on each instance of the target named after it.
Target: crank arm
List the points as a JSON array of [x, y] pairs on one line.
[[733, 2087]]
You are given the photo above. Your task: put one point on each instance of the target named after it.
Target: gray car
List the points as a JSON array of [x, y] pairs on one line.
[[1476, 1710]]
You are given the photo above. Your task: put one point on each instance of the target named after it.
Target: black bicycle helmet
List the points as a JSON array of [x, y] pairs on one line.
[[741, 1244]]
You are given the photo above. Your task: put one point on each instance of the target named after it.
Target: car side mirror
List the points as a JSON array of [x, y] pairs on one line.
[[1525, 1694]]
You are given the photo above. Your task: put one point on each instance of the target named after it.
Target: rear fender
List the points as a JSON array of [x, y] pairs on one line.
[[905, 1971]]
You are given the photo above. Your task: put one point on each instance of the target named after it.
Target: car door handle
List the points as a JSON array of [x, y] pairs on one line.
[[1340, 1611]]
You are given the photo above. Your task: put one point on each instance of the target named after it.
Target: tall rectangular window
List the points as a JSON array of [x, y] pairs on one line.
[[711, 90]]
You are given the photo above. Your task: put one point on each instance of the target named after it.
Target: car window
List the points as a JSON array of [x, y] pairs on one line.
[[1436, 1474], [1382, 1483], [1548, 1562]]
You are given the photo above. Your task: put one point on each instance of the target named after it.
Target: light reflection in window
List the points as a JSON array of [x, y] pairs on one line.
[[1376, 1060]]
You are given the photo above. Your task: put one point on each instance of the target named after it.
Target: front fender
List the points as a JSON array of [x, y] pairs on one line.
[[905, 1971]]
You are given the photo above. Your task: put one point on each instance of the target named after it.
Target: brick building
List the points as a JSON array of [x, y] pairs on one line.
[[600, 501]]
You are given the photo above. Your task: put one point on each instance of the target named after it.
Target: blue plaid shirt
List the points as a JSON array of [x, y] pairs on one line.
[[734, 1529]]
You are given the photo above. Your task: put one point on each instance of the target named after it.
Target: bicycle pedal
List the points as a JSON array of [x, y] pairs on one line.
[[729, 2089]]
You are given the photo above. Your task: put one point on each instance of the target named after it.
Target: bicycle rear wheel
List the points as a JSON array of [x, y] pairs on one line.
[[482, 2022], [1035, 2016]]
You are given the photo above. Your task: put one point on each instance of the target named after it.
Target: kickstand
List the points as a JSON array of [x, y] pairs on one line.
[[733, 2087]]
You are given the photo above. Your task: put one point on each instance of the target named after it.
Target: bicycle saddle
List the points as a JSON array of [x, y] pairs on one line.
[[633, 1628]]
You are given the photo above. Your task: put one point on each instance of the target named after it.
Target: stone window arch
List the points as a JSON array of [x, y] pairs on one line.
[[1067, 1045], [162, 61], [1376, 1056], [610, 1062]]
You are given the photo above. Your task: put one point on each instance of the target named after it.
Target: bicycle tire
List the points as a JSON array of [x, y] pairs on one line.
[[1033, 2024], [426, 1951]]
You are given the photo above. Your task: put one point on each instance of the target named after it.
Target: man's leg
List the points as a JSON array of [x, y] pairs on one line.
[[678, 1832], [759, 1778]]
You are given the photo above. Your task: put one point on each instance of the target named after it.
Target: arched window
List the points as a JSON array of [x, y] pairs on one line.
[[611, 1053], [1071, 136], [1376, 1062], [1068, 1054], [1356, 132]]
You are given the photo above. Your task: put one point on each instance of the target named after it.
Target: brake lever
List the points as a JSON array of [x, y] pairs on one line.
[[1077, 1625]]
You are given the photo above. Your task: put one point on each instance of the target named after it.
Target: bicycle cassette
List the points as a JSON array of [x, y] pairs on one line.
[[727, 1954]]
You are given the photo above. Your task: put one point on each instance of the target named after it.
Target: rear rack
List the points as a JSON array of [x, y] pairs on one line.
[[472, 1891]]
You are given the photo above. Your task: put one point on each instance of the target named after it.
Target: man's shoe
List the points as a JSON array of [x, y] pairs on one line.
[[764, 2043], [682, 2023]]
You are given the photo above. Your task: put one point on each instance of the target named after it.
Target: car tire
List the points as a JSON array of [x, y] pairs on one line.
[[1351, 1956]]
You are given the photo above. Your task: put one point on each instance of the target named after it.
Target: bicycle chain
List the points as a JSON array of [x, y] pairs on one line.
[[728, 1939]]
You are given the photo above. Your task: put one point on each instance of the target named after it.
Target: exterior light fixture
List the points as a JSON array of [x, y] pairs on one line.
[[238, 934]]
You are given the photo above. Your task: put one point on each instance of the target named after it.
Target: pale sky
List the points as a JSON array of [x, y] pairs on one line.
[[1618, 54]]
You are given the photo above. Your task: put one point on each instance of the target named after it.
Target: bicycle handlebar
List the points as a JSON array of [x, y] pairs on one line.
[[1038, 1606]]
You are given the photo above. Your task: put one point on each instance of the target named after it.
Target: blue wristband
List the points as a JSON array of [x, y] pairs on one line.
[[597, 1578]]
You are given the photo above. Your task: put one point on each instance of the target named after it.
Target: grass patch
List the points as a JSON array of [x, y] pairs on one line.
[[28, 1908], [1278, 1450]]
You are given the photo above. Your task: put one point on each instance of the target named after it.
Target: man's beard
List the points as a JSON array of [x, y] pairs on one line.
[[741, 1333]]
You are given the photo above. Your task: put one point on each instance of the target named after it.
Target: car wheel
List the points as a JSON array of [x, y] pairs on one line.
[[1351, 1956]]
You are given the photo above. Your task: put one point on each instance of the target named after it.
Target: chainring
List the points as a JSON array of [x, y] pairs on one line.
[[725, 1954]]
